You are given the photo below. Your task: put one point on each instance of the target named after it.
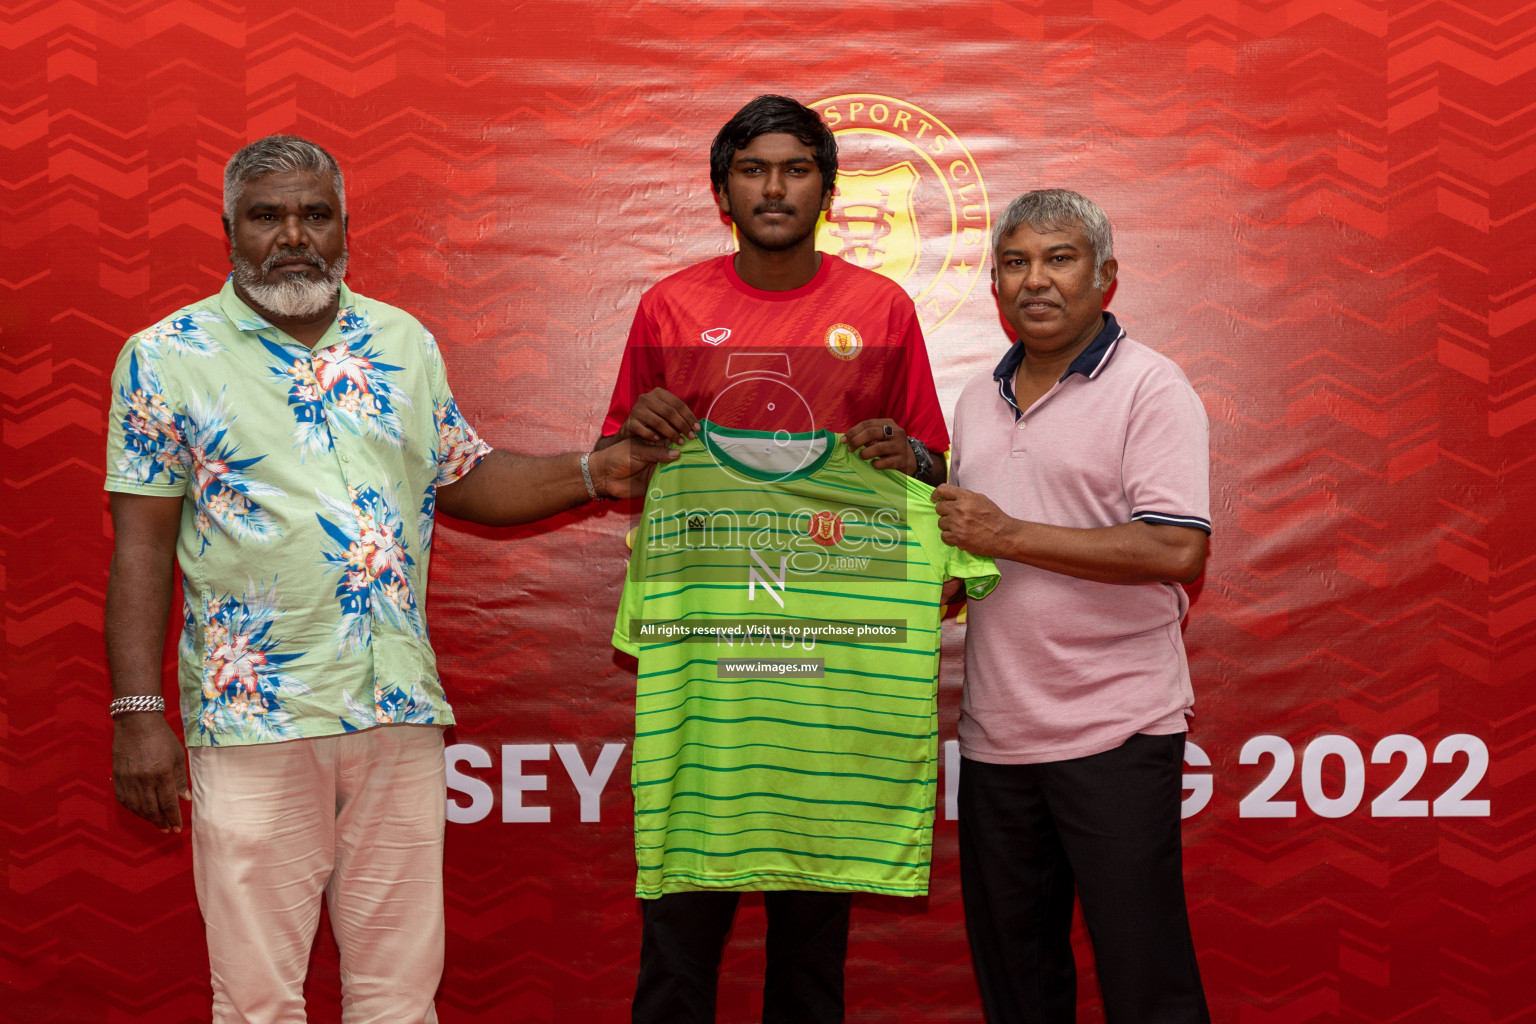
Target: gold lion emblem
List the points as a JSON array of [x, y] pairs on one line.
[[843, 341]]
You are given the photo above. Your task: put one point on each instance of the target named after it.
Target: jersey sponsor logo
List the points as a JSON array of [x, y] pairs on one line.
[[909, 203], [763, 576], [843, 341], [826, 528], [715, 335]]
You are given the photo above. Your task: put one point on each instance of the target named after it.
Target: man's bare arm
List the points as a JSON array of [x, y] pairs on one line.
[[148, 764], [1133, 552], [507, 489]]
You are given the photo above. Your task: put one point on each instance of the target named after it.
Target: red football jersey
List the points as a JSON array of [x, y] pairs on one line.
[[843, 348]]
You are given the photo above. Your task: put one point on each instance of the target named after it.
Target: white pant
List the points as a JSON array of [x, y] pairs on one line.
[[357, 817]]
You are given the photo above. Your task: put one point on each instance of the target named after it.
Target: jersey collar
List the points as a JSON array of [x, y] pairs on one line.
[[711, 434]]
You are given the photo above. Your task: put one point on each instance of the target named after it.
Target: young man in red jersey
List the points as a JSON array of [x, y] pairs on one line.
[[776, 336]]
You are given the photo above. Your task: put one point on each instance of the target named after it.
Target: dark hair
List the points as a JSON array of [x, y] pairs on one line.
[[766, 115]]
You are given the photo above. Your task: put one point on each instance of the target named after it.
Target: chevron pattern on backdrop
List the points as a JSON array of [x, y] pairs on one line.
[[1324, 213]]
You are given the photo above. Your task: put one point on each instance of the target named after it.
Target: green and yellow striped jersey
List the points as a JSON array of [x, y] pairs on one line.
[[783, 601]]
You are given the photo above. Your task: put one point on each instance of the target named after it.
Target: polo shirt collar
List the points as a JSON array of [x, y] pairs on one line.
[[1090, 362]]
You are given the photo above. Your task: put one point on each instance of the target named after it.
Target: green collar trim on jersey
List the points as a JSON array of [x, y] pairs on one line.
[[709, 431]]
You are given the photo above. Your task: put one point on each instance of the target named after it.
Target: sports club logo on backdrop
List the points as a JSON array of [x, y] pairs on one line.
[[910, 202]]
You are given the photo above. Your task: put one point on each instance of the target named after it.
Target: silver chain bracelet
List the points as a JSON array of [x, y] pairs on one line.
[[586, 478], [138, 702]]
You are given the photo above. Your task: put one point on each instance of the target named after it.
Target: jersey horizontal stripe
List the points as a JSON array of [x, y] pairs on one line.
[[788, 723], [845, 823], [759, 766], [863, 756], [805, 801], [776, 700], [771, 680], [769, 881], [743, 588]]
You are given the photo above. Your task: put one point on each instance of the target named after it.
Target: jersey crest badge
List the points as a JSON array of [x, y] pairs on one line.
[[826, 528], [843, 341], [715, 335]]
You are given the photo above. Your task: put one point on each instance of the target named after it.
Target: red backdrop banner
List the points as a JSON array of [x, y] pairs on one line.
[[1323, 212]]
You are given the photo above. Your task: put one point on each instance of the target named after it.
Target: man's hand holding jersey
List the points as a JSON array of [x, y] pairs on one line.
[[658, 416], [884, 443]]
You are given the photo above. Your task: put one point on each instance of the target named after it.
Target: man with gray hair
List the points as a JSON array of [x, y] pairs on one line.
[[288, 442], [1081, 466]]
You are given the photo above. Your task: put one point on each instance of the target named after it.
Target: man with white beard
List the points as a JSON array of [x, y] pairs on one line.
[[287, 442]]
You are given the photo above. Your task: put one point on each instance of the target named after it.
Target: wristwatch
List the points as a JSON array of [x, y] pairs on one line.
[[924, 457]]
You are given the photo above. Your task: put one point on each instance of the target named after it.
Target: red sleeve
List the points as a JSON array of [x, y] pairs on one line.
[[923, 418], [638, 371]]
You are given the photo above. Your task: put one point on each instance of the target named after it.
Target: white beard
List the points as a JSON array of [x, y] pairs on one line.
[[296, 297]]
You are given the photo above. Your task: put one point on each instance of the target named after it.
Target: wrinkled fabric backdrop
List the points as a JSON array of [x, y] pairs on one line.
[[1323, 212]]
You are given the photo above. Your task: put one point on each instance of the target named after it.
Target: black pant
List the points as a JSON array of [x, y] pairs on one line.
[[1108, 826], [684, 934]]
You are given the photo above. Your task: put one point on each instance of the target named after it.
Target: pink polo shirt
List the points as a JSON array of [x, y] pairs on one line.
[[1057, 667]]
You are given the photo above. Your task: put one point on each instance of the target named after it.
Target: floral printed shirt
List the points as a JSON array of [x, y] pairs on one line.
[[309, 478]]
